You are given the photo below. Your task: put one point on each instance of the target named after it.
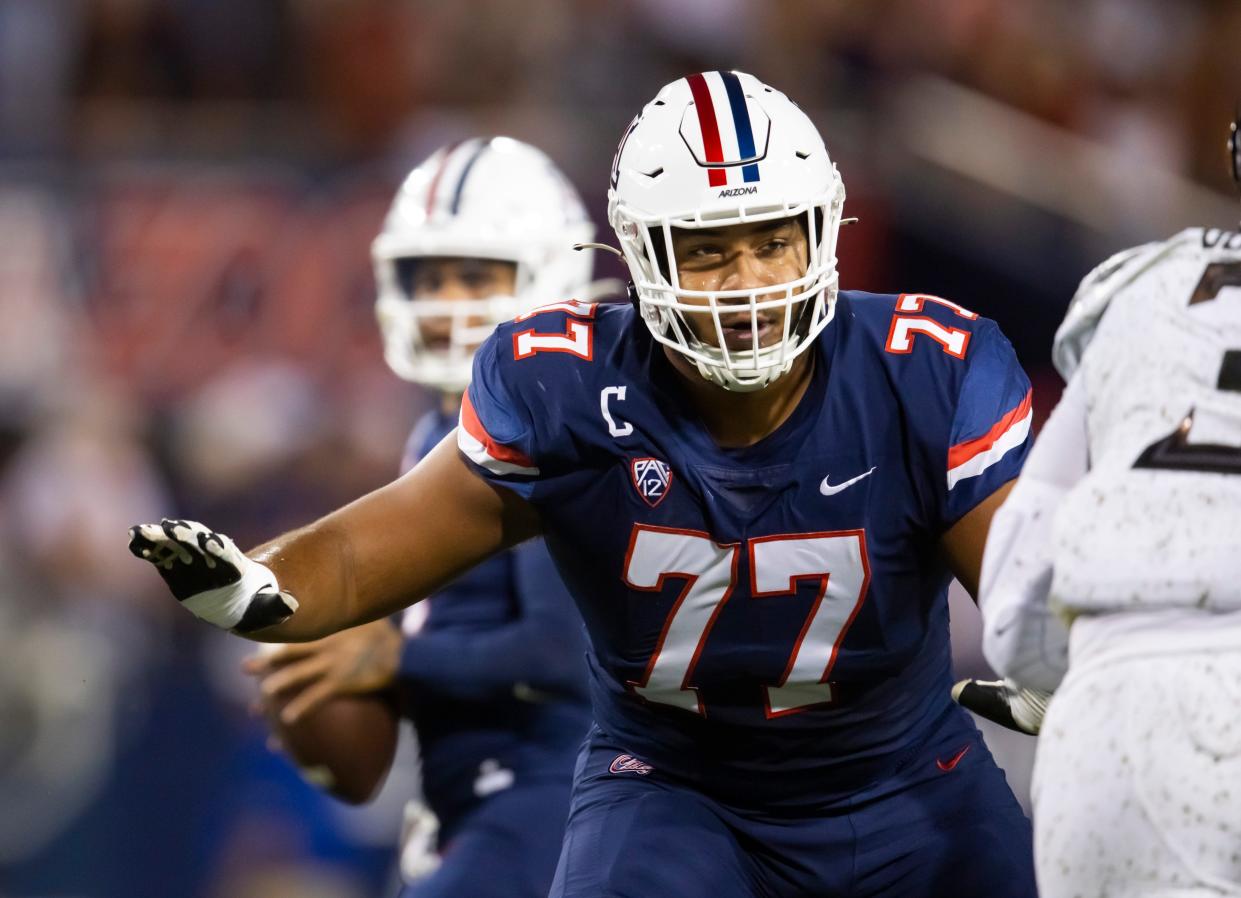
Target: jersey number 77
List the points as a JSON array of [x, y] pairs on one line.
[[836, 560]]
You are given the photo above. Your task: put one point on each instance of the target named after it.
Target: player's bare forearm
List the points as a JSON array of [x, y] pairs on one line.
[[964, 542], [392, 547], [369, 559]]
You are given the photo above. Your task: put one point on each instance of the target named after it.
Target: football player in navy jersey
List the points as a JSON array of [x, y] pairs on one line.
[[490, 670], [757, 489]]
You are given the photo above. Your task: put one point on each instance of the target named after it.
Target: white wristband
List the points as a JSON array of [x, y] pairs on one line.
[[227, 605]]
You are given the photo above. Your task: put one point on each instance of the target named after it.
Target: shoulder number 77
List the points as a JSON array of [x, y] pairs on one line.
[[907, 324], [576, 339]]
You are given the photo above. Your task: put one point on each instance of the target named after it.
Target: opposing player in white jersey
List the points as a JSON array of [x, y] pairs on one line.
[[1126, 523]]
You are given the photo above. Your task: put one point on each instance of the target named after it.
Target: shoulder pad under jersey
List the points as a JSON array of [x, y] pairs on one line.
[[1096, 292]]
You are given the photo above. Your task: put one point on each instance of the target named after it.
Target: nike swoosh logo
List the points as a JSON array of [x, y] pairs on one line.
[[951, 762], [828, 489]]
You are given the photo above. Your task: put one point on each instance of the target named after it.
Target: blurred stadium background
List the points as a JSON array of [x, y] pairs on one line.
[[188, 189]]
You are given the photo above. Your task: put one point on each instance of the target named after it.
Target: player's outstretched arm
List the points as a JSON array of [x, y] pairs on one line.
[[371, 558]]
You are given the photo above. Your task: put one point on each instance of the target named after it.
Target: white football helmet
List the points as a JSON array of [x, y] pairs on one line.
[[494, 198], [712, 150]]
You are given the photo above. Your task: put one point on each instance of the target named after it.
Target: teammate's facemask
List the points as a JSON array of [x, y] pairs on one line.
[[494, 199], [711, 151]]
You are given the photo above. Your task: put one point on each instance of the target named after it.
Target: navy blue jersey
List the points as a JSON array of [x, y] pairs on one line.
[[769, 623], [493, 671]]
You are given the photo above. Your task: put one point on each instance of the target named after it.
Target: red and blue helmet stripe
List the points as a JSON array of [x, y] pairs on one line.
[[733, 112], [471, 151]]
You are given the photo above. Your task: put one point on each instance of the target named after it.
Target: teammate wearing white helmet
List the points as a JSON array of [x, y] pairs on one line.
[[757, 488], [503, 211], [490, 669], [1124, 523]]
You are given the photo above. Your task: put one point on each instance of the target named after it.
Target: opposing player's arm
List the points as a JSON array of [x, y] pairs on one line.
[[364, 561], [1023, 637]]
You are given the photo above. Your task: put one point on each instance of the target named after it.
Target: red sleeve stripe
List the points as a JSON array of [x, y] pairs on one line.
[[974, 456], [480, 448]]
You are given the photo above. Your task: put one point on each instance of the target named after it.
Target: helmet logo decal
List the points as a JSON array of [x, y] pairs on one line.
[[725, 126]]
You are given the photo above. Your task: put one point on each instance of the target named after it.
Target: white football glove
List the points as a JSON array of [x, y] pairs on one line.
[[211, 577], [1003, 702]]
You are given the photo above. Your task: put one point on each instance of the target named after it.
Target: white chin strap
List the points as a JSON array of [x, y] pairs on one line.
[[736, 382], [740, 379]]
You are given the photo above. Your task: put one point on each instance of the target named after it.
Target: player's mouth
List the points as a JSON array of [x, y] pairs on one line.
[[436, 335], [740, 333]]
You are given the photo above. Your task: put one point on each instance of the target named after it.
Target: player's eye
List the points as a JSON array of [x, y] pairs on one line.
[[426, 283], [475, 279], [703, 251]]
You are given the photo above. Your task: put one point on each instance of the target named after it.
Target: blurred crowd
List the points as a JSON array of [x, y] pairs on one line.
[[188, 189], [337, 80]]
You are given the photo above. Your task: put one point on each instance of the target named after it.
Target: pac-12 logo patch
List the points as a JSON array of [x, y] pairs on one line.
[[630, 764], [652, 478]]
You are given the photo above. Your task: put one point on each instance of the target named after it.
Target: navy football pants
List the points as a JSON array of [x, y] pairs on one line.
[[923, 832], [505, 848]]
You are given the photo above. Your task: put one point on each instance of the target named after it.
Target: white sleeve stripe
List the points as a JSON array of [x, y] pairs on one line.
[[1014, 436], [477, 453]]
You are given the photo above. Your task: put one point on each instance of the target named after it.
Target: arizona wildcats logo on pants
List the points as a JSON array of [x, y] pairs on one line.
[[630, 764], [651, 477]]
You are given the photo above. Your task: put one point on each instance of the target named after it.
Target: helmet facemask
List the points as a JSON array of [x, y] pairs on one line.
[[404, 318], [804, 306]]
